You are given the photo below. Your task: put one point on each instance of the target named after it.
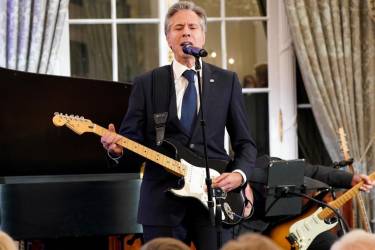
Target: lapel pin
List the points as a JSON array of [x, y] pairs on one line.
[[212, 80]]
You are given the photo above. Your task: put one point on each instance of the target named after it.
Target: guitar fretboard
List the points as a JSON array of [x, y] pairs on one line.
[[339, 202], [170, 164]]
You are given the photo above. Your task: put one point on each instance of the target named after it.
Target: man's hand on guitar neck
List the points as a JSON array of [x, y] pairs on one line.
[[368, 184], [109, 141]]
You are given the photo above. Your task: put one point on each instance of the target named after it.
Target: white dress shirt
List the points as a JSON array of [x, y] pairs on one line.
[[181, 84]]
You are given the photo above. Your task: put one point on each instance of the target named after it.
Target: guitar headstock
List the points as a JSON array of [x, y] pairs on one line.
[[343, 143], [76, 123]]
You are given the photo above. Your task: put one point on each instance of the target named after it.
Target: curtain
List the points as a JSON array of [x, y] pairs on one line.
[[30, 33], [334, 42]]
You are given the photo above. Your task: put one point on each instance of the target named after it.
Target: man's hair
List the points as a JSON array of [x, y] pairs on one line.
[[185, 5], [356, 239], [251, 241], [165, 243], [6, 242]]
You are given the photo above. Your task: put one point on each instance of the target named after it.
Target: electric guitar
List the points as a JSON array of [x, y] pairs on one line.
[[300, 232], [232, 203], [360, 202]]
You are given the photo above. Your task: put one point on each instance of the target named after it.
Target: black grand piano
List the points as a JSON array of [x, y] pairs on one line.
[[54, 183]]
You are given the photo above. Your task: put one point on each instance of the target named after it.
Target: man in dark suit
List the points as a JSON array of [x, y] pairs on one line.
[[161, 213], [316, 177]]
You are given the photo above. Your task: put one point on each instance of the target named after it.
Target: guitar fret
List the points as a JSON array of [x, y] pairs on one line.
[[164, 160]]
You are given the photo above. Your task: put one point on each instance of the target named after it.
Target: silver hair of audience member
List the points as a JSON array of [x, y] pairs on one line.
[[357, 239]]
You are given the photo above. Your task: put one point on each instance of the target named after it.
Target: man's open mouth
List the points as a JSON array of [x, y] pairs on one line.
[[186, 43]]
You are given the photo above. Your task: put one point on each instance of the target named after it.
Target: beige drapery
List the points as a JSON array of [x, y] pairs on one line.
[[334, 42], [30, 33]]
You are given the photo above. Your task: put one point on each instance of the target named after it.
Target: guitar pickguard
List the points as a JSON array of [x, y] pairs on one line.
[[195, 184], [307, 229]]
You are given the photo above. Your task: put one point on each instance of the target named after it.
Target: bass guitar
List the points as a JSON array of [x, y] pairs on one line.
[[233, 202], [301, 231]]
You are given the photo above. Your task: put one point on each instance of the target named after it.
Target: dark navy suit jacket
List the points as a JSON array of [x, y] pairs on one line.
[[223, 107]]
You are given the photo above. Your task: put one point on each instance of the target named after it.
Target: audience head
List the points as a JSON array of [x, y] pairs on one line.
[[355, 240], [251, 241], [261, 74], [6, 242], [260, 80], [249, 81], [165, 243]]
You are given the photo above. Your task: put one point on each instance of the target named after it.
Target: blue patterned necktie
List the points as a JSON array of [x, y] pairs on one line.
[[189, 102]]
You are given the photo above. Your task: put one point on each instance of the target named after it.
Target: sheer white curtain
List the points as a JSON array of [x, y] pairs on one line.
[[30, 33], [335, 46]]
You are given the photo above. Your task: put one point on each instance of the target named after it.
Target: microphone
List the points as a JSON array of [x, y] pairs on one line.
[[194, 51], [342, 163]]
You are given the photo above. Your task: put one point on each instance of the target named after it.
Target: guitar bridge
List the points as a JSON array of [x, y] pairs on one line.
[[293, 241]]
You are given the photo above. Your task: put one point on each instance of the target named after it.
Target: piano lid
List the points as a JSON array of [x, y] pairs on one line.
[[31, 145]]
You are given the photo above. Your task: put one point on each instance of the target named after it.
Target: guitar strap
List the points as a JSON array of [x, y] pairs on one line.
[[162, 80]]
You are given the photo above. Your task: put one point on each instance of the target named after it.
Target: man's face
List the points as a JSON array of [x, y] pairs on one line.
[[184, 28]]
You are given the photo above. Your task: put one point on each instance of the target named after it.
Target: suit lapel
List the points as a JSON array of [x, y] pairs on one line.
[[173, 118]]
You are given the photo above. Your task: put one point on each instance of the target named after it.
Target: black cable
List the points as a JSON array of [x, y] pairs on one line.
[[251, 212], [272, 204]]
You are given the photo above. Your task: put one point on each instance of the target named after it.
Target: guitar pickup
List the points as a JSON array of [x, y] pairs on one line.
[[292, 240]]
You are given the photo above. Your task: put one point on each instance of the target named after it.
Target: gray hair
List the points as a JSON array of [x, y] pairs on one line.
[[185, 5]]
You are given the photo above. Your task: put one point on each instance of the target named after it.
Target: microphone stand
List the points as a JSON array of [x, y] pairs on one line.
[[210, 203]]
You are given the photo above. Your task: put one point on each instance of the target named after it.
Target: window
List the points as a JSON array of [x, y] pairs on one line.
[[310, 143], [236, 40], [113, 40]]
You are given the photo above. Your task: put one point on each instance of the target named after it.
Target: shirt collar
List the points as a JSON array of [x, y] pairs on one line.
[[179, 68]]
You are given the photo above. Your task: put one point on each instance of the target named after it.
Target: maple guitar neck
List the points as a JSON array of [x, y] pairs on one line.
[[339, 202], [172, 165]]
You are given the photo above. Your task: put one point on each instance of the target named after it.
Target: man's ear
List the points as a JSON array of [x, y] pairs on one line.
[[167, 38], [204, 38]]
